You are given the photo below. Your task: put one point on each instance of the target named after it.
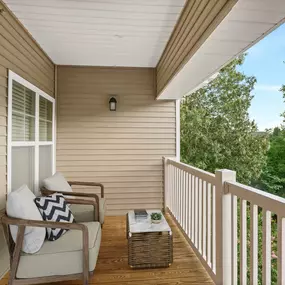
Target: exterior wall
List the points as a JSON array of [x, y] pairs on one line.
[[121, 149], [20, 53], [196, 23]]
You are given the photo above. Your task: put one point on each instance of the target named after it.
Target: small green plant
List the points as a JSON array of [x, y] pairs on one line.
[[156, 216]]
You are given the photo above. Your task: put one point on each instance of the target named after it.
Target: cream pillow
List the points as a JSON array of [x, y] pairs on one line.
[[57, 182], [20, 204]]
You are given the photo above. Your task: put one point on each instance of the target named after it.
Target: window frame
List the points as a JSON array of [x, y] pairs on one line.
[[12, 76]]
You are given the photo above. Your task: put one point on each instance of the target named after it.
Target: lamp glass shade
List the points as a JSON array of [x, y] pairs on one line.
[[112, 104]]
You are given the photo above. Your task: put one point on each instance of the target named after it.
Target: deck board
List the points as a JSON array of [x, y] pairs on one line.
[[112, 267]]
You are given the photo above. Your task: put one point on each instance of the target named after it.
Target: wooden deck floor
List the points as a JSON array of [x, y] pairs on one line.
[[112, 267]]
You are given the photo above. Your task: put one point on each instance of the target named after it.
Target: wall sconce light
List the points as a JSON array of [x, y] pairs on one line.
[[112, 104]]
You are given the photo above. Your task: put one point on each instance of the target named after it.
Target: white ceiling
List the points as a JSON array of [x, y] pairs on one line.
[[100, 32], [248, 22]]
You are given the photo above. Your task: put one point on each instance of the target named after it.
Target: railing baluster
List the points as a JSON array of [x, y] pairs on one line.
[[180, 195], [266, 247], [281, 250], [183, 200], [234, 240], [253, 245], [200, 225], [175, 192], [172, 188], [196, 211], [204, 215], [243, 242], [209, 223], [187, 203], [192, 208], [214, 228]]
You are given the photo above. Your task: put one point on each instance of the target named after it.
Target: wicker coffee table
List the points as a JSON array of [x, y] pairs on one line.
[[149, 245]]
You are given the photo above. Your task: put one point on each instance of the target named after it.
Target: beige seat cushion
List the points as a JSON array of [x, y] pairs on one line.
[[63, 256], [85, 213]]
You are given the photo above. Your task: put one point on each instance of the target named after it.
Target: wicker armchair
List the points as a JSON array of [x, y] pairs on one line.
[[49, 264], [84, 213]]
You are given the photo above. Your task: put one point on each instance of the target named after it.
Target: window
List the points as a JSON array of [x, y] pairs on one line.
[[31, 134]]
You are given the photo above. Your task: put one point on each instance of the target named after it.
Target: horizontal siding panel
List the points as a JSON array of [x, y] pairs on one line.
[[3, 111], [110, 168], [117, 147], [107, 152], [13, 37], [119, 130], [102, 163], [91, 125], [119, 157], [3, 72], [197, 21], [3, 131], [133, 195], [16, 62], [133, 113], [107, 141], [65, 137], [122, 149], [126, 173], [110, 179], [9, 43], [26, 37], [121, 187], [19, 53], [128, 207]]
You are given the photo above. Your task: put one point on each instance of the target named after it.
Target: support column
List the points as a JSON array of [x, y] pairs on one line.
[[224, 227]]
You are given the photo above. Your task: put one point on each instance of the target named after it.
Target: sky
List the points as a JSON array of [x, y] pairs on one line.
[[265, 61]]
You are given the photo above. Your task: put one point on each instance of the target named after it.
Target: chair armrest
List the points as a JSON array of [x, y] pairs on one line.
[[46, 192], [42, 224], [81, 183], [22, 224]]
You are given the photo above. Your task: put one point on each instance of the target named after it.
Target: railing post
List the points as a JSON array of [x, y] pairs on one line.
[[165, 184], [223, 227]]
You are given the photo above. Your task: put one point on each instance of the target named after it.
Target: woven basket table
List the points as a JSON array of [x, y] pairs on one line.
[[149, 245]]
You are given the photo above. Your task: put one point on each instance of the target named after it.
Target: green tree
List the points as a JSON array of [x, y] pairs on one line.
[[272, 178], [216, 131]]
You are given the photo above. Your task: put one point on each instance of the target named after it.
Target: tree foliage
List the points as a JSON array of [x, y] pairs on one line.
[[216, 131], [272, 178]]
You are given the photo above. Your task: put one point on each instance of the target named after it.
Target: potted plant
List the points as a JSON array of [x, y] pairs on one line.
[[156, 218]]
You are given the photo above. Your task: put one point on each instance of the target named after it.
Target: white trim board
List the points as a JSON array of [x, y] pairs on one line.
[[248, 22]]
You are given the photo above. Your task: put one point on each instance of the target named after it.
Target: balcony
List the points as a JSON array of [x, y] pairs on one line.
[[213, 218], [148, 55]]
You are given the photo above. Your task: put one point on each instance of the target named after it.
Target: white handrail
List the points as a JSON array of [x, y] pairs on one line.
[[263, 199]]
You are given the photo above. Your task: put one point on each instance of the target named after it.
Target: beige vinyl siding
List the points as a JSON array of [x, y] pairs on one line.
[[19, 53], [121, 149], [197, 21]]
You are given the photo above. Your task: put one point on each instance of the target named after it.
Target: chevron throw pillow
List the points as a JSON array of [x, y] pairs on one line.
[[54, 209]]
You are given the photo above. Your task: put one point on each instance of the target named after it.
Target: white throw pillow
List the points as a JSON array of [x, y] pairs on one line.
[[57, 182], [20, 204]]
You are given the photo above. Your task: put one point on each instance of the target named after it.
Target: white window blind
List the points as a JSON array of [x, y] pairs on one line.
[[45, 120], [23, 113]]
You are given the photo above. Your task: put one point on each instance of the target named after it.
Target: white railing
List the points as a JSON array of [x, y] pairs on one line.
[[261, 206], [206, 206]]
